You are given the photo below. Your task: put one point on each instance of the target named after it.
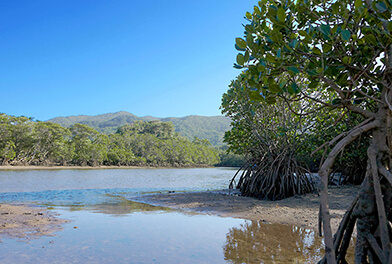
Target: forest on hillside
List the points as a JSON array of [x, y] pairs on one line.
[[211, 128], [154, 143]]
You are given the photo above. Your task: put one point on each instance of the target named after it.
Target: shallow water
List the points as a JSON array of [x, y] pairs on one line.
[[107, 227]]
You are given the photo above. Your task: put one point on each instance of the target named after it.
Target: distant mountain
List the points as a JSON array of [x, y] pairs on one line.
[[203, 127]]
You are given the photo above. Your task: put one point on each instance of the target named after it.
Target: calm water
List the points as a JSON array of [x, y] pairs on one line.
[[112, 229]]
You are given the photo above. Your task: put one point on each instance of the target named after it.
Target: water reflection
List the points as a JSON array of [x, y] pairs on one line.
[[257, 242], [123, 207]]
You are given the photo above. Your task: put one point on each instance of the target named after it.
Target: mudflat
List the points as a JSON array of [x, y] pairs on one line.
[[26, 222], [298, 210]]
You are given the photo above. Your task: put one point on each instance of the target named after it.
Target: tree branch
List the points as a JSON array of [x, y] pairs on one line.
[[333, 141], [324, 172]]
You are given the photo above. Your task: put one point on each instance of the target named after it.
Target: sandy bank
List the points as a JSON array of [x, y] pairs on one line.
[[26, 222], [298, 210]]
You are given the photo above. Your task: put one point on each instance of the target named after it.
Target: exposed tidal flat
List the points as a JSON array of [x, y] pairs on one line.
[[153, 216]]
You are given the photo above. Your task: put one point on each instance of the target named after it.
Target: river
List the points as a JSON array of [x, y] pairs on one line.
[[107, 227]]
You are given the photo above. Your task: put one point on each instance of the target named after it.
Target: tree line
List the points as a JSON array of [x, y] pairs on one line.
[[27, 142]]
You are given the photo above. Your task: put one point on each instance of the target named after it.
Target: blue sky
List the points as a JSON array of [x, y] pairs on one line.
[[161, 58]]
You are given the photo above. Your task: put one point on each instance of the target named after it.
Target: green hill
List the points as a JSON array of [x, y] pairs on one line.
[[211, 128]]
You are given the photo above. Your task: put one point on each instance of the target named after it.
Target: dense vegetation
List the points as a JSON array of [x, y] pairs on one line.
[[323, 59], [211, 128], [154, 143]]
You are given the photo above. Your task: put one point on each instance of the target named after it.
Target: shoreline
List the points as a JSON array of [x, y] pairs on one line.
[[30, 221], [103, 167]]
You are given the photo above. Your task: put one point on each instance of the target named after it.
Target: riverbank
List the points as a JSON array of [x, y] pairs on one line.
[[102, 167], [299, 210]]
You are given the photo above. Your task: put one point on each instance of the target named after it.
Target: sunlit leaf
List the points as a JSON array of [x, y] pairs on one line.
[[240, 43], [240, 59], [255, 96], [281, 14], [316, 51], [302, 33], [238, 48]]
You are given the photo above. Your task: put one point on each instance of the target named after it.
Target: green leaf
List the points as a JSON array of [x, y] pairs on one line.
[[270, 57], [389, 27], [249, 40], [281, 14], [302, 33], [271, 99], [327, 47], [346, 60], [238, 48], [279, 53], [274, 88], [316, 51], [326, 31], [358, 3], [246, 57], [312, 72], [255, 96], [256, 9], [240, 59], [249, 29], [248, 15], [293, 69], [240, 43], [260, 68], [370, 39], [381, 6], [295, 87], [346, 35]]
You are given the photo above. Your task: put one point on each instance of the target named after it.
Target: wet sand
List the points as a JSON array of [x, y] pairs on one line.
[[27, 222], [299, 210]]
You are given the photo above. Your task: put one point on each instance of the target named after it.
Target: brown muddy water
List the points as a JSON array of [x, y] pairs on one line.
[[106, 227]]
